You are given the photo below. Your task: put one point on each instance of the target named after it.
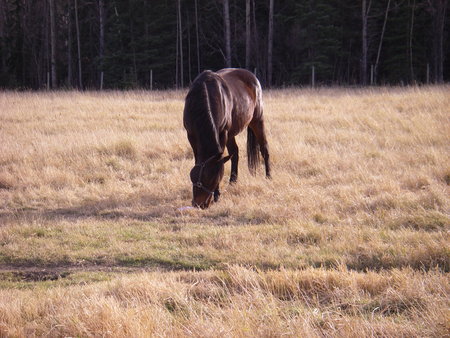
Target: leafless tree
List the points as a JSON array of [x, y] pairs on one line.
[[69, 45], [77, 27], [381, 39], [410, 41], [247, 34], [227, 34], [270, 45], [101, 21], [365, 10], [438, 9], [196, 33], [180, 32], [54, 77]]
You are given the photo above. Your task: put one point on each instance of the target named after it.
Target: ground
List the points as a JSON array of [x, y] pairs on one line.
[[349, 238]]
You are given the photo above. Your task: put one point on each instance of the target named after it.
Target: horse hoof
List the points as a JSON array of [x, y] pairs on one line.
[[233, 178]]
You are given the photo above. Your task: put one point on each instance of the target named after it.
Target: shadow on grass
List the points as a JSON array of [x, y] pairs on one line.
[[36, 266], [144, 208]]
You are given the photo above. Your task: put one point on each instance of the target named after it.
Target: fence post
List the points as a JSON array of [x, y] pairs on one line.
[[151, 79], [313, 76], [371, 75]]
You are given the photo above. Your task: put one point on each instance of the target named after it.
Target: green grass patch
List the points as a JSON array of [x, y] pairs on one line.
[[51, 278], [189, 246]]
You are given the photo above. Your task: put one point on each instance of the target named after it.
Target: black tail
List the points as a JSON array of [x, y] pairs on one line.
[[252, 151]]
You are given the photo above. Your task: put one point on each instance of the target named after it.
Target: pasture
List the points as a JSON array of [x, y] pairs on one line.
[[349, 238]]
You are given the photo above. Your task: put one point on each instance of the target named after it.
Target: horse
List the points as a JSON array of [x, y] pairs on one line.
[[218, 106]]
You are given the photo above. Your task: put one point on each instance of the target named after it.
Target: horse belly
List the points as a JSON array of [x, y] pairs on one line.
[[242, 115]]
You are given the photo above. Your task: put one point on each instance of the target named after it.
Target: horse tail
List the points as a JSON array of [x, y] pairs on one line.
[[252, 151]]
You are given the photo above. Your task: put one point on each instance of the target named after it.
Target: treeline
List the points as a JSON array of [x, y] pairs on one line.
[[166, 43]]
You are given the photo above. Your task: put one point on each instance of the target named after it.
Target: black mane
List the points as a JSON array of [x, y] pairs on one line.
[[205, 111]]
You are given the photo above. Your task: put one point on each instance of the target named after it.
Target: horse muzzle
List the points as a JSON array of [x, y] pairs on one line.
[[203, 203]]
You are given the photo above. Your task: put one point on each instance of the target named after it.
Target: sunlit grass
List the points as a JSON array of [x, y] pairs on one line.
[[349, 238], [236, 302]]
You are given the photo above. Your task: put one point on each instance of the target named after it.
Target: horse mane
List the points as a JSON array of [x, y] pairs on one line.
[[209, 113], [200, 110]]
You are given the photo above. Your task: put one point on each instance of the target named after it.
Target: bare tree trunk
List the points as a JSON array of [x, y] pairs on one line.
[[196, 33], [46, 71], [247, 34], [181, 45], [364, 43], [441, 41], [177, 50], [381, 40], [255, 37], [77, 26], [442, 9], [227, 33], [189, 46], [133, 47], [51, 5], [147, 44], [101, 19], [69, 45], [438, 10], [411, 65], [2, 36], [270, 46]]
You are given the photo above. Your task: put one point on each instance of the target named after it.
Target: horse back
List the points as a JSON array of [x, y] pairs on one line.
[[246, 95]]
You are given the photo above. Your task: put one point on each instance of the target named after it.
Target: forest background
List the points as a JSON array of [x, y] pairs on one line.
[[159, 44]]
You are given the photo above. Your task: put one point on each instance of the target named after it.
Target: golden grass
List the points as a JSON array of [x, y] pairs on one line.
[[349, 238], [236, 302]]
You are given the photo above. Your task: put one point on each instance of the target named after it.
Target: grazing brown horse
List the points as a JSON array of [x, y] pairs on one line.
[[219, 105]]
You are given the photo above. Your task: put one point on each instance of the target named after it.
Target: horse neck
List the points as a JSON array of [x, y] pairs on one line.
[[213, 121], [207, 148]]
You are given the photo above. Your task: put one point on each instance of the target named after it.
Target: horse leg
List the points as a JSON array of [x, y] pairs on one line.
[[216, 195], [233, 150], [260, 135]]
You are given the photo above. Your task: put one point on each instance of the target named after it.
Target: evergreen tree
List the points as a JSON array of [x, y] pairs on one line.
[[140, 41]]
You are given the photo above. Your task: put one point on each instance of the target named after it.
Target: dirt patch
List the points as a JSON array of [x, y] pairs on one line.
[[38, 276]]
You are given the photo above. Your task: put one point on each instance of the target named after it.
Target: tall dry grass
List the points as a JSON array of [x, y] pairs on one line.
[[349, 238], [236, 302]]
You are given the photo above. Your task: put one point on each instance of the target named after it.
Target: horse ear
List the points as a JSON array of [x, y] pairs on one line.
[[226, 158], [217, 158]]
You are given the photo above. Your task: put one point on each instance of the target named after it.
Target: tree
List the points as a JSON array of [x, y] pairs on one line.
[[77, 26], [69, 44], [410, 42], [270, 45], [196, 36], [181, 46], [365, 10], [101, 42], [381, 40], [247, 34], [227, 34], [51, 6], [438, 9], [124, 43]]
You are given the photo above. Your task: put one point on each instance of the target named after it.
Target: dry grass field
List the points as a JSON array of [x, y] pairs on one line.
[[350, 237]]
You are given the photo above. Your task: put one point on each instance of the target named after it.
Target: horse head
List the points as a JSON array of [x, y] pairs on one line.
[[205, 178]]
